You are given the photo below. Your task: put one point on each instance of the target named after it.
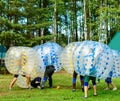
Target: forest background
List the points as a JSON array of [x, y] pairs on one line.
[[33, 22]]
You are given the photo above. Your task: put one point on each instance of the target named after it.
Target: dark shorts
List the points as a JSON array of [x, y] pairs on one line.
[[108, 80], [88, 78], [75, 76], [16, 75], [81, 77], [49, 71]]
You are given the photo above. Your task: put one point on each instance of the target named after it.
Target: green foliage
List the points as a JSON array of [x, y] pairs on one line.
[[62, 40], [17, 26], [5, 22], [11, 38], [37, 26], [26, 17], [37, 40], [18, 39]]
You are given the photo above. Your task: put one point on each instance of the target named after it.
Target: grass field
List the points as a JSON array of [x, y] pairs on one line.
[[64, 93]]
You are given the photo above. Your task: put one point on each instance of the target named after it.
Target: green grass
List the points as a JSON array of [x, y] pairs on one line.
[[64, 93]]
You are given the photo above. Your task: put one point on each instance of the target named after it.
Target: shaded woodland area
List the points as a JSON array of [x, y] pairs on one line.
[[33, 22]]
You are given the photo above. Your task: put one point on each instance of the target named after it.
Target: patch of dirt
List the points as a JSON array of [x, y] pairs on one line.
[[62, 72]]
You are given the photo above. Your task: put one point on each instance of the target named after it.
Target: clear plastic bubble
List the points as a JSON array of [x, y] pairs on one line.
[[36, 47], [23, 61], [116, 67], [21, 82], [20, 60], [92, 58], [104, 63], [66, 56], [36, 72], [12, 60], [49, 54]]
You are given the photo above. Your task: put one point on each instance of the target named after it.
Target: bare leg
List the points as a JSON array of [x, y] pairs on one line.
[[28, 81], [74, 86], [114, 87], [108, 86], [85, 91], [94, 88], [12, 83], [82, 85]]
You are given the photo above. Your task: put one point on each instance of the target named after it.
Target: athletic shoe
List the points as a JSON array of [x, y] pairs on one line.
[[107, 88], [115, 88], [74, 90]]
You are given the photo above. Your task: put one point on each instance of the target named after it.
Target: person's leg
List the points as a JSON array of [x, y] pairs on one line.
[[94, 88], [48, 74], [43, 82], [28, 81], [74, 81], [50, 81], [50, 78], [82, 82], [86, 80], [108, 81], [94, 85], [108, 85], [45, 78], [85, 89], [114, 87], [13, 81], [112, 84]]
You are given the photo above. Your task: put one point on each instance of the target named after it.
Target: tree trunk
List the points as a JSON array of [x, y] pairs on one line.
[[55, 20], [75, 20], [85, 21], [88, 16], [106, 22]]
